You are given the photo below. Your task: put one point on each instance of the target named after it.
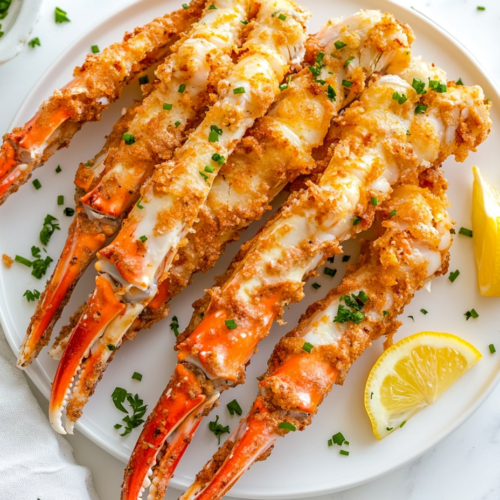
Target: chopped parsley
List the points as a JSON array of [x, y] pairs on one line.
[[239, 90], [384, 314], [60, 16], [37, 184], [420, 109], [318, 65], [174, 326], [402, 423], [400, 98], [58, 169], [217, 428], [390, 428], [459, 82], [234, 407], [33, 42], [40, 267], [69, 211], [182, 88], [408, 132], [330, 272], [338, 438], [167, 106], [137, 376], [31, 296], [465, 232], [339, 44], [128, 138], [316, 286], [491, 348], [308, 347], [231, 324], [471, 314], [287, 426], [419, 86], [355, 303], [138, 409], [454, 275], [95, 49], [50, 224], [214, 134]]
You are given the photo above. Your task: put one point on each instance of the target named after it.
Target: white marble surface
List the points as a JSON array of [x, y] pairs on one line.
[[465, 466]]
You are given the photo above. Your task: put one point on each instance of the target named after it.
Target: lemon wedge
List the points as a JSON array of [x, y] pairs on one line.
[[412, 374], [486, 230]]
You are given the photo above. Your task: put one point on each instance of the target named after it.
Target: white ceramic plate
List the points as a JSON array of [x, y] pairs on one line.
[[301, 465]]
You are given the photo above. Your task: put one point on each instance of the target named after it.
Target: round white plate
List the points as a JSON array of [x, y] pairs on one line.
[[302, 465]]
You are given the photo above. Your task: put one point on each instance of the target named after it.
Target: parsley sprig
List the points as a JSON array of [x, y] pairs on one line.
[[138, 408], [218, 429], [50, 224]]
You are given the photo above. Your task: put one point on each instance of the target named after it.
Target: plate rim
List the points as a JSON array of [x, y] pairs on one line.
[[33, 371]]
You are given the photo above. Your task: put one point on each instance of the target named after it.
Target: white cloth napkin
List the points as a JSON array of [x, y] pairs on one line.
[[35, 462]]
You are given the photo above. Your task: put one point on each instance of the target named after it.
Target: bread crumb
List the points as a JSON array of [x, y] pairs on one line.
[[7, 261]]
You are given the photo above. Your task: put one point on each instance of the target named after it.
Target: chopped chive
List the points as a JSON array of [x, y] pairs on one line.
[[177, 123], [58, 169], [35, 41], [459, 82], [339, 44], [308, 347], [138, 204], [283, 87], [234, 407], [389, 428], [338, 438], [419, 86], [393, 213], [60, 16], [167, 106], [212, 7], [331, 94], [143, 80], [239, 90], [408, 132], [371, 395], [218, 158], [400, 98], [205, 176], [209, 168], [348, 61], [346, 443], [330, 442], [213, 136], [402, 423], [174, 326], [437, 86], [69, 212], [137, 376], [143, 238], [343, 452], [346, 258], [330, 272], [231, 324], [374, 201], [479, 7], [471, 314], [129, 139], [88, 164], [491, 347], [385, 313], [95, 49], [244, 22], [412, 318], [423, 311], [465, 232], [454, 275], [282, 17], [60, 200], [287, 426], [346, 83], [321, 82], [111, 347], [420, 109], [37, 184], [331, 259], [356, 221], [316, 286], [182, 88]]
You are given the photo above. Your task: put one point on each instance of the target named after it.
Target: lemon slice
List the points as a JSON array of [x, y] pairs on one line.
[[412, 374], [486, 230]]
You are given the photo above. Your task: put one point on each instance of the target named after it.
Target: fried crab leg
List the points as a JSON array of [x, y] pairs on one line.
[[274, 151], [318, 353], [95, 85], [154, 129], [142, 253], [373, 152]]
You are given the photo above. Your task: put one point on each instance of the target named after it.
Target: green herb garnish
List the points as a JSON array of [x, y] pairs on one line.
[[31, 296], [471, 314], [234, 407], [287, 426], [308, 347], [33, 42], [95, 49], [454, 275], [50, 224], [217, 428], [231, 324], [37, 184], [129, 139], [60, 16], [174, 326], [137, 376], [465, 232]]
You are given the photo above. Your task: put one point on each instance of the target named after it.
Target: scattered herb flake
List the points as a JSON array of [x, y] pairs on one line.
[[137, 376], [330, 272], [58, 169], [308, 347], [174, 326], [50, 224], [471, 314], [316, 286], [287, 426], [412, 318], [343, 452], [217, 428], [346, 258], [465, 232], [31, 296], [231, 324], [37, 184], [340, 45], [234, 407], [454, 275], [239, 90], [338, 438], [423, 311], [129, 139], [69, 212], [111, 347], [95, 49], [167, 106], [60, 16], [33, 42], [374, 201]]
